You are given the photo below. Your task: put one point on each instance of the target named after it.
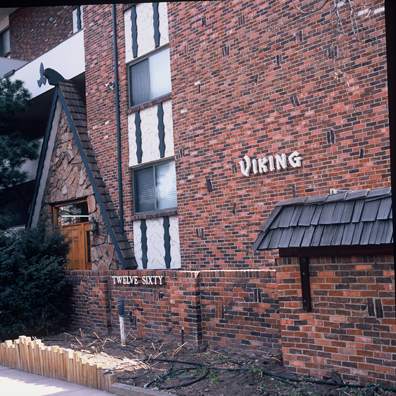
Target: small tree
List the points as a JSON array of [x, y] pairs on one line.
[[14, 150], [34, 292]]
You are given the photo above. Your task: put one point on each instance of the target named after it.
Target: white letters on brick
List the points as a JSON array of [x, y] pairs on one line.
[[278, 162]]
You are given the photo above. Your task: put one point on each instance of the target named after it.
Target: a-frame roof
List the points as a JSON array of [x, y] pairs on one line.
[[66, 96]]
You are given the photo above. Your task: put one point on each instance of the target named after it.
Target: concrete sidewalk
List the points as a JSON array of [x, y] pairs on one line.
[[19, 383]]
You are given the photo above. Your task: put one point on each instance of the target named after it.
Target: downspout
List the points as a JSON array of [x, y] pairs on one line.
[[116, 82]]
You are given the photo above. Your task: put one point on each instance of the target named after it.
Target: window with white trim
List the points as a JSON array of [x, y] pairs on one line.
[[155, 187], [149, 77]]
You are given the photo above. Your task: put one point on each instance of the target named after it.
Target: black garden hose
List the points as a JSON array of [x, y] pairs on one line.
[[286, 379]]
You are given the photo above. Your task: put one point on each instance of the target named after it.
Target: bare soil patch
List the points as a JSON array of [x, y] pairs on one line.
[[189, 371]]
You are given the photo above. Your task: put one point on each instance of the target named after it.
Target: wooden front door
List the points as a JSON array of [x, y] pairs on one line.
[[72, 220], [79, 254]]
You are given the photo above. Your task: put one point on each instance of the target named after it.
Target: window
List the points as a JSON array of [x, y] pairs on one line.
[[71, 213], [5, 42], [150, 78], [155, 188]]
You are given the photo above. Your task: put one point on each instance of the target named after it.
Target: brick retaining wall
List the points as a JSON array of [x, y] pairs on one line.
[[235, 309], [351, 328], [352, 325]]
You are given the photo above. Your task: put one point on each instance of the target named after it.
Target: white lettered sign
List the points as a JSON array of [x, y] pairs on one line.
[[270, 164], [138, 280]]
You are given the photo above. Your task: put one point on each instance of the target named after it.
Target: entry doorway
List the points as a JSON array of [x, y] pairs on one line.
[[73, 221]]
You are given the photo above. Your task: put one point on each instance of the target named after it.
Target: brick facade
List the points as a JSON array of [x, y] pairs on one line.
[[248, 79], [36, 30], [231, 98], [352, 325], [101, 99], [233, 309], [265, 85]]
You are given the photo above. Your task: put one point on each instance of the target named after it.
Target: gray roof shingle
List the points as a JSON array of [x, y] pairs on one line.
[[345, 219]]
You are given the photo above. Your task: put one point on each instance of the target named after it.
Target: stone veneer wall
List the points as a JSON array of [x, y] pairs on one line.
[[67, 180], [234, 309], [352, 326]]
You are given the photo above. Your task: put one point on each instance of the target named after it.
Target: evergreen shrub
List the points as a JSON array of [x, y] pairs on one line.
[[34, 292]]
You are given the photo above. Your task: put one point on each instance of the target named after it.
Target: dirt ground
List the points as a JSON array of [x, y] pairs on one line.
[[186, 371]]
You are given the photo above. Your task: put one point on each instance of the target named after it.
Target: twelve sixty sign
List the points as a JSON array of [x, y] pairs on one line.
[[138, 280]]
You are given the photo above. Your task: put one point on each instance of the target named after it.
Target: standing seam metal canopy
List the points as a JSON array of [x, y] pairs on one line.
[[354, 218]]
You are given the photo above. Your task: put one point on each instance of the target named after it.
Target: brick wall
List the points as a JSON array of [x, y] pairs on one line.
[[234, 309], [243, 106], [352, 325], [240, 309], [101, 99], [351, 328], [91, 304], [35, 30]]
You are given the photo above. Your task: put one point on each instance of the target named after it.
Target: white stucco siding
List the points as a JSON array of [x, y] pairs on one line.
[[150, 138], [174, 242], [132, 140], [75, 22], [137, 241], [163, 23], [168, 126], [155, 244], [149, 134], [155, 235], [128, 36], [145, 28]]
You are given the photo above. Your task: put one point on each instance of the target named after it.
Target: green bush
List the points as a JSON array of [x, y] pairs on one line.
[[34, 292]]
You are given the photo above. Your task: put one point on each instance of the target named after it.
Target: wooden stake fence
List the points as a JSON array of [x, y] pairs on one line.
[[54, 362]]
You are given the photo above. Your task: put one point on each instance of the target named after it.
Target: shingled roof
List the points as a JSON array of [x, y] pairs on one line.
[[354, 218]]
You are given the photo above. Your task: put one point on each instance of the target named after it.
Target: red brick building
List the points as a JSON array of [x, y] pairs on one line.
[[170, 135]]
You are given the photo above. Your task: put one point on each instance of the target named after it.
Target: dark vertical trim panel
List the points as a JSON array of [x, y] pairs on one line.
[[156, 25], [161, 130], [138, 133], [134, 32], [143, 229], [167, 242], [305, 284]]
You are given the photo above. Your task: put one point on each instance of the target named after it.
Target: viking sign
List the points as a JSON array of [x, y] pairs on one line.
[[270, 164]]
